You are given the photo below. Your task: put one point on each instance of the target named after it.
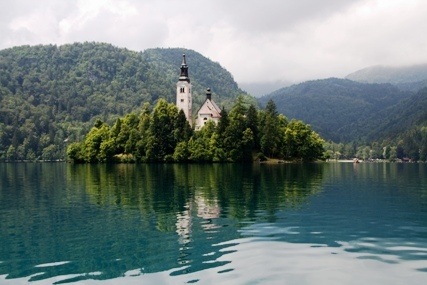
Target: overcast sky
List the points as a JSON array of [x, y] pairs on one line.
[[256, 40]]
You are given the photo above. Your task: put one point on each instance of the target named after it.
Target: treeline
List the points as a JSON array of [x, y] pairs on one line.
[[411, 145], [164, 135]]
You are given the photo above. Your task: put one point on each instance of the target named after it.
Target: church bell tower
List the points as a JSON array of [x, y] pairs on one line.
[[183, 92]]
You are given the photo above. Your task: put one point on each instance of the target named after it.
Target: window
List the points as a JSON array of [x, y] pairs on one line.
[[204, 119], [182, 100], [182, 90]]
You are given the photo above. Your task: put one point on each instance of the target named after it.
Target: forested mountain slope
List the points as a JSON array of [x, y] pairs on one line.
[[51, 94], [336, 108]]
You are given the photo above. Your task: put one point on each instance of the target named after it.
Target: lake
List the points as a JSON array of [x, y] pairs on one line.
[[320, 223]]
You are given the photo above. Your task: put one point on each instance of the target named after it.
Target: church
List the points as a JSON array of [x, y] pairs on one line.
[[209, 111]]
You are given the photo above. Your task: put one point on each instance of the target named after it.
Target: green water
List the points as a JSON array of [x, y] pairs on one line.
[[326, 223]]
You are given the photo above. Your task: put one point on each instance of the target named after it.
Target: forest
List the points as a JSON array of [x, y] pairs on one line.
[[52, 95], [164, 135]]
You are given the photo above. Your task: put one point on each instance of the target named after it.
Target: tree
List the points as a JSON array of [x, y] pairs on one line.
[[50, 152], [302, 143], [199, 146], [238, 138], [270, 131], [161, 140], [182, 131], [11, 153], [181, 153], [107, 150], [93, 141], [252, 123], [75, 152]]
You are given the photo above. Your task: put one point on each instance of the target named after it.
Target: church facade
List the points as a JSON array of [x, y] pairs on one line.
[[209, 111]]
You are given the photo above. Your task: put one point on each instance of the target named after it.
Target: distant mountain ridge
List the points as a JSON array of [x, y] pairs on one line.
[[390, 74]]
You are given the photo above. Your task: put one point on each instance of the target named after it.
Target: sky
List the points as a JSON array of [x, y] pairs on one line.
[[257, 41]]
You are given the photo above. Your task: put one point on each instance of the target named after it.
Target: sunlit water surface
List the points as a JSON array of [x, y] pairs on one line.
[[326, 223]]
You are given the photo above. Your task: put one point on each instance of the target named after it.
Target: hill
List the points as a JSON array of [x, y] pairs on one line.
[[395, 120], [403, 126], [336, 108], [53, 94]]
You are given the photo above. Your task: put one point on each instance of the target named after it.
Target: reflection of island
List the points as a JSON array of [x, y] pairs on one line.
[[183, 213], [205, 191]]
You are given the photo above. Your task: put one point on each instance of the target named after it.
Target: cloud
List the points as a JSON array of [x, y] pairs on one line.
[[256, 41], [273, 16], [117, 22]]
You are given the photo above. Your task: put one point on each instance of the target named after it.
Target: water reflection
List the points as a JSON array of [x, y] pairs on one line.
[[80, 222], [212, 191], [115, 218]]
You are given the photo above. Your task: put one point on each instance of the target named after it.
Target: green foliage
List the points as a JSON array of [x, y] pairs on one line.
[[51, 96], [161, 135], [359, 116], [164, 135], [340, 110], [301, 142], [270, 142]]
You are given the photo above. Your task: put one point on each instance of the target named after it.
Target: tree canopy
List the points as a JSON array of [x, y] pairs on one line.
[[165, 136]]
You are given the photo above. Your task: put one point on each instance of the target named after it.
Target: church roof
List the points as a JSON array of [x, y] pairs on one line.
[[184, 70], [210, 107]]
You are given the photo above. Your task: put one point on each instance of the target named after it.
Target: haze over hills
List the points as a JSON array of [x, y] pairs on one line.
[[259, 89], [413, 77]]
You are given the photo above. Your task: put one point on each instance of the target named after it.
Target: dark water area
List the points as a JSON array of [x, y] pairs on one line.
[[320, 223]]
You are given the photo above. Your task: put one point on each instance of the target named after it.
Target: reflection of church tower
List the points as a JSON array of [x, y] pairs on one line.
[[183, 92]]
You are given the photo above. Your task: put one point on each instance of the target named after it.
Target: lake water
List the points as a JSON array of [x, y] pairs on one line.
[[325, 223]]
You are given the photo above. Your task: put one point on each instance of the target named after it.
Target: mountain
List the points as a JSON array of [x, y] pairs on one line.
[[397, 120], [388, 74], [336, 108], [50, 95]]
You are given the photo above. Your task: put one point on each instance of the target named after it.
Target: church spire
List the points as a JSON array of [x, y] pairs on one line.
[[183, 92], [184, 70], [208, 94]]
